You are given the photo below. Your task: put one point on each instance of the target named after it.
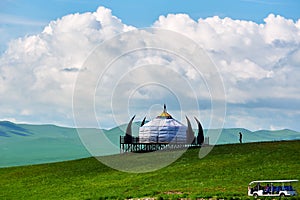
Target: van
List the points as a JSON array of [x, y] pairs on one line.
[[272, 188]]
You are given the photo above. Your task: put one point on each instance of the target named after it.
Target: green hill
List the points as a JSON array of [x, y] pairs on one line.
[[25, 144], [225, 172]]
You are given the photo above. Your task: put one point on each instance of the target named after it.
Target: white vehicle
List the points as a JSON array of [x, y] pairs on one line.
[[271, 188]]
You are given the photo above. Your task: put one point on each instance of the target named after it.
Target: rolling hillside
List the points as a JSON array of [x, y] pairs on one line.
[[224, 173], [23, 144]]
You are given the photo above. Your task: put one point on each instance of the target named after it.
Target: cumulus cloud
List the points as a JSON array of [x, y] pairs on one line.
[[257, 62], [38, 72], [254, 58]]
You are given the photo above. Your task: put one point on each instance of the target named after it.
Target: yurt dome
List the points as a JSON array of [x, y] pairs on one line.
[[163, 129]]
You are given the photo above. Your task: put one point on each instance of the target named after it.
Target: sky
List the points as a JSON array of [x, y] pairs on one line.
[[253, 48]]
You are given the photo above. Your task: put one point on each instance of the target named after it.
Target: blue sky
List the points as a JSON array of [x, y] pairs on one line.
[[254, 43], [143, 13]]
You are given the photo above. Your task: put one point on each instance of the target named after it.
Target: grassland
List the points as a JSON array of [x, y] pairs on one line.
[[224, 173]]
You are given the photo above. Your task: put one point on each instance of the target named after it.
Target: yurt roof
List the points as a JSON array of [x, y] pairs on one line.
[[165, 114], [164, 119]]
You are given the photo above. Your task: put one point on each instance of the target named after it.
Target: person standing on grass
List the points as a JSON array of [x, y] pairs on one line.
[[241, 137]]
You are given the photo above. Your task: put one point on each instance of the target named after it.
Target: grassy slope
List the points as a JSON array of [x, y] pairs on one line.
[[226, 171]]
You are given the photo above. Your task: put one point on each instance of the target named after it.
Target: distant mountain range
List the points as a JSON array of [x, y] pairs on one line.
[[24, 144]]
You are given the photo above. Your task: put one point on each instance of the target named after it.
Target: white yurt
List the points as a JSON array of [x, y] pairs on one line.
[[163, 129]]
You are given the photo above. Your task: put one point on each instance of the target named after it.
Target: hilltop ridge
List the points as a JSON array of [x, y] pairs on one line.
[[24, 144]]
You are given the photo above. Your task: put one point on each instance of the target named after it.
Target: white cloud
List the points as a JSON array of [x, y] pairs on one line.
[[38, 72], [256, 61], [277, 28]]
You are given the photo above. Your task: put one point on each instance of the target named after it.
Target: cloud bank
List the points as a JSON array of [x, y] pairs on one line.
[[259, 65]]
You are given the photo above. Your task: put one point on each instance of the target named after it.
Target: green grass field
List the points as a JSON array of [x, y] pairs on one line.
[[224, 173]]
